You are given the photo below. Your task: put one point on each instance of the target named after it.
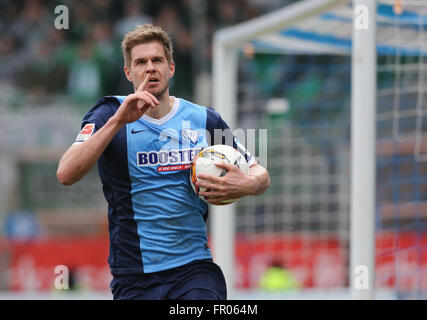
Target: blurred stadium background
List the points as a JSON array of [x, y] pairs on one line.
[[296, 83]]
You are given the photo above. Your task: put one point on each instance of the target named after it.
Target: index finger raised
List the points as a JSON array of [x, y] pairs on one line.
[[144, 83]]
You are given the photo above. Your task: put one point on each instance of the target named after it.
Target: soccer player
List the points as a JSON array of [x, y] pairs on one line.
[[144, 144]]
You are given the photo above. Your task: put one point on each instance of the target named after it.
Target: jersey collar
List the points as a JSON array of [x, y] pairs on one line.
[[167, 117]]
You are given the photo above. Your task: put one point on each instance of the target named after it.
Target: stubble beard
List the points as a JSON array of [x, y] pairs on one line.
[[161, 92]]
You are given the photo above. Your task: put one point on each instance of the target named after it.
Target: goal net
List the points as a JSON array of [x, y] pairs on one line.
[[401, 258], [29, 164], [292, 76]]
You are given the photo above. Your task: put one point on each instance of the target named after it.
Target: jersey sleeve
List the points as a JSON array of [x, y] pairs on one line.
[[95, 119], [220, 133]]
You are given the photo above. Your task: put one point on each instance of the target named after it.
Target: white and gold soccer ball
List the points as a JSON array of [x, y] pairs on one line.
[[204, 163]]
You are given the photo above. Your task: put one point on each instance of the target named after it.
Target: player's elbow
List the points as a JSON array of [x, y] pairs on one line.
[[262, 180], [64, 178], [265, 182]]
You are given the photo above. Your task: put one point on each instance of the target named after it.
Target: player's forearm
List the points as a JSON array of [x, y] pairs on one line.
[[79, 159], [260, 179]]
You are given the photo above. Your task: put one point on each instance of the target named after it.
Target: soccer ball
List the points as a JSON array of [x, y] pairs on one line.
[[205, 161]]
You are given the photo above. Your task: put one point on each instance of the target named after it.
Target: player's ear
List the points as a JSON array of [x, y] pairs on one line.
[[171, 69], [127, 73]]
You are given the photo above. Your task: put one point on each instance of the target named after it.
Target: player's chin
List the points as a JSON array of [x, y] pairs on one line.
[[158, 91]]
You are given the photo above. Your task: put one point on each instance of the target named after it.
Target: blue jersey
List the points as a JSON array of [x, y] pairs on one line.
[[156, 221]]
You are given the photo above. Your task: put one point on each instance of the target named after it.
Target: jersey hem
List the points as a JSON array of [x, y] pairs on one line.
[[128, 271]]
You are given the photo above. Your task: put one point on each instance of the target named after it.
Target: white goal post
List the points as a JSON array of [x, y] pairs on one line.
[[226, 45], [363, 138]]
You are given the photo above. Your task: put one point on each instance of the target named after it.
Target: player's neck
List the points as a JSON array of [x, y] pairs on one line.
[[163, 108]]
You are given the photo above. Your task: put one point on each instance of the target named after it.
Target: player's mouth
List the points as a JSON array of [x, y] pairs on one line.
[[153, 81]]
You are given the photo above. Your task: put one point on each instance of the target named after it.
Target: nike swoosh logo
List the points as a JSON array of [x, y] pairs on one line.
[[136, 131]]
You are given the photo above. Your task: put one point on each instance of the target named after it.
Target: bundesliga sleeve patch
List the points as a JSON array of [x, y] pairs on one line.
[[85, 133]]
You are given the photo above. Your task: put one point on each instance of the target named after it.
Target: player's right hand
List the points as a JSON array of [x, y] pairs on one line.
[[136, 104]]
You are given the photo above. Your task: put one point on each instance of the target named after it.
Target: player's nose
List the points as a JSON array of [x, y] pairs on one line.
[[150, 65]]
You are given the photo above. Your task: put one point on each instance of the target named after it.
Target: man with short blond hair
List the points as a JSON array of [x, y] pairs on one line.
[[144, 144], [143, 34]]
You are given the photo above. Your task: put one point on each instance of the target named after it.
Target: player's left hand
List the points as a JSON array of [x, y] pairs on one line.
[[235, 184]]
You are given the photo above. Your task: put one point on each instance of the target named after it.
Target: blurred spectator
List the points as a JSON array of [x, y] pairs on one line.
[[44, 75], [182, 82], [101, 10], [276, 278], [12, 58], [32, 24], [133, 15], [84, 81], [107, 56], [21, 226], [85, 60], [168, 18], [81, 19], [9, 10], [227, 12]]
